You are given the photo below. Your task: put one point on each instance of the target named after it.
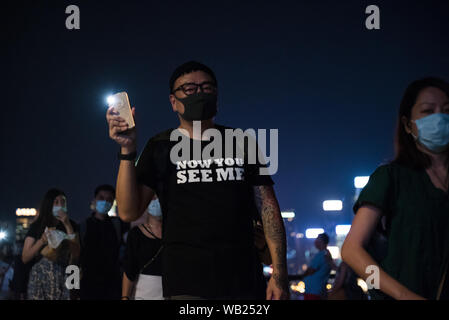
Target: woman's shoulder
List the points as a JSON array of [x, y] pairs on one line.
[[146, 233], [134, 232], [393, 170], [33, 231], [138, 232], [399, 173]]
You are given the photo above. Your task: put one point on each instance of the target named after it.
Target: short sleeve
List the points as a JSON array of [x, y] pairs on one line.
[[33, 232], [130, 264], [145, 166], [254, 177], [377, 192], [256, 173]]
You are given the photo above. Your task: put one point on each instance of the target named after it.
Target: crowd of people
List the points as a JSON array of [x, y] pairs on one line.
[[196, 227]]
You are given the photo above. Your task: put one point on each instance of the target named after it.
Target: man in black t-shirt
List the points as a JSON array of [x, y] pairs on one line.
[[208, 204], [101, 238]]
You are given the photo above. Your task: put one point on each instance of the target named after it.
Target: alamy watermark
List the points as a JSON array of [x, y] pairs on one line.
[[73, 277], [373, 280], [73, 20], [228, 152], [372, 22]]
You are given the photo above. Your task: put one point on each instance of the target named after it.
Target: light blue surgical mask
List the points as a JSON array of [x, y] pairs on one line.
[[102, 206], [433, 132], [56, 210], [155, 208]]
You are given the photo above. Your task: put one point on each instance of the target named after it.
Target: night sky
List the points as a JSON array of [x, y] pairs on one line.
[[308, 68]]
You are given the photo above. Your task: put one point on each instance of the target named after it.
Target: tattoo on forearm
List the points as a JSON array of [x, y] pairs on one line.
[[274, 228]]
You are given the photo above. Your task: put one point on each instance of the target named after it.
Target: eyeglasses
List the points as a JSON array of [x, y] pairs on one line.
[[190, 87]]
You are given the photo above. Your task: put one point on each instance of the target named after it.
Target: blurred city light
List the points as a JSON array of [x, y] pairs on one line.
[[3, 235], [312, 233], [288, 214], [342, 229], [332, 205], [299, 235], [26, 212], [268, 270], [335, 252], [360, 182], [300, 287]]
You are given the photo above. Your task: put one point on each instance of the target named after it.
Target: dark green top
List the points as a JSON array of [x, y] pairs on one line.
[[417, 226]]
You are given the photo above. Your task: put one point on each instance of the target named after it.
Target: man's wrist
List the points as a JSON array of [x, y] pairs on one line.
[[126, 155], [279, 268], [128, 150]]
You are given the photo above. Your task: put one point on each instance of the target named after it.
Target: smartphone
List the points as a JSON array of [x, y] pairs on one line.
[[120, 103]]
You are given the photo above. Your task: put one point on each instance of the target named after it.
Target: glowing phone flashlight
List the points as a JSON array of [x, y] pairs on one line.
[[120, 103]]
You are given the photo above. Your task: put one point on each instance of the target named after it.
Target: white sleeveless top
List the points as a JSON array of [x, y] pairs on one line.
[[149, 288]]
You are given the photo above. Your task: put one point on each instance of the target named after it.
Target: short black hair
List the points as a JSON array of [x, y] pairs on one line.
[[104, 187], [189, 67], [324, 237]]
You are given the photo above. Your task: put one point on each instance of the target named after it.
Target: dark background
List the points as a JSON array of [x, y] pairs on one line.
[[308, 68]]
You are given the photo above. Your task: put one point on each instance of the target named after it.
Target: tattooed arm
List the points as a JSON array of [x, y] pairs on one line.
[[274, 230]]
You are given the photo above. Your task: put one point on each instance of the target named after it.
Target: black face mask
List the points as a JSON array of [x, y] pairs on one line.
[[199, 106]]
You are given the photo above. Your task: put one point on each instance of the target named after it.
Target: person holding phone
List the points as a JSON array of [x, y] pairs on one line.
[[47, 275], [196, 251], [411, 194]]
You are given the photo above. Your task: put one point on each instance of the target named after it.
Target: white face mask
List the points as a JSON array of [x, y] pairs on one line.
[[56, 210], [155, 208], [433, 132]]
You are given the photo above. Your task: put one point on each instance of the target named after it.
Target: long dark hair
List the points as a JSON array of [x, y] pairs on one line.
[[46, 218], [407, 153]]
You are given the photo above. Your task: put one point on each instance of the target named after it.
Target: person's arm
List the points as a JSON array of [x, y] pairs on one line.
[[275, 235], [74, 244], [309, 272], [132, 198], [261, 245], [75, 249], [354, 254], [339, 279], [330, 260], [32, 247], [127, 287]]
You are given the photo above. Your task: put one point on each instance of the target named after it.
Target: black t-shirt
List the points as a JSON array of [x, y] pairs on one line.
[[139, 251], [207, 206], [35, 231], [100, 245]]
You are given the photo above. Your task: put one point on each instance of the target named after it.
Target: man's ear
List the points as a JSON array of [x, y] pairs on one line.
[[406, 124], [172, 99]]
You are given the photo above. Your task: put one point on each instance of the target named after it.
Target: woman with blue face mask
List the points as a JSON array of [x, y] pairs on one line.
[[410, 195], [142, 279], [50, 256]]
